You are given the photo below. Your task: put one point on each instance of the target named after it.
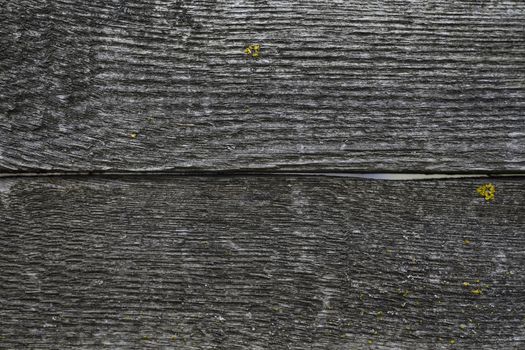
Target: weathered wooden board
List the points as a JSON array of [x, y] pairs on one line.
[[348, 85], [260, 263]]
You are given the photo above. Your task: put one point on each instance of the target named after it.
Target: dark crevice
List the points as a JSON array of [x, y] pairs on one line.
[[397, 176]]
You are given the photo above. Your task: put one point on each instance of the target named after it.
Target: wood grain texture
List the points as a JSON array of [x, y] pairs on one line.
[[260, 263], [340, 85]]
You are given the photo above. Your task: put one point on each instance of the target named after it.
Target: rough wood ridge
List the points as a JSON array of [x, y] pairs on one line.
[[260, 263], [351, 85]]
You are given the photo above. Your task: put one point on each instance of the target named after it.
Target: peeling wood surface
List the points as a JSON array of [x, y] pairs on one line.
[[260, 263], [339, 85]]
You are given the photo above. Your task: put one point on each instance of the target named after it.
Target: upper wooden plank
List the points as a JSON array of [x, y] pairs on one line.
[[260, 263], [354, 85]]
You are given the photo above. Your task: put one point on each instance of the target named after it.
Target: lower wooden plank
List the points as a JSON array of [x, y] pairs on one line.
[[260, 263]]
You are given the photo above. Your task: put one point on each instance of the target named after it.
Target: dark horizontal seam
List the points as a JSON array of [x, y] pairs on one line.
[[383, 175]]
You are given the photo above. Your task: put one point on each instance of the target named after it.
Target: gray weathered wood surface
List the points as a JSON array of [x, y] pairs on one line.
[[340, 85], [260, 263]]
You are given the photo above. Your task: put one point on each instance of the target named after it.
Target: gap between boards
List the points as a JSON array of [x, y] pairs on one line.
[[374, 176]]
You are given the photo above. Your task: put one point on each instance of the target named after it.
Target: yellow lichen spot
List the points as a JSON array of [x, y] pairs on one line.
[[276, 309], [462, 326], [253, 50], [452, 341], [133, 135], [466, 284], [370, 342], [379, 314], [173, 338], [487, 190], [466, 242], [145, 337], [476, 291], [477, 281]]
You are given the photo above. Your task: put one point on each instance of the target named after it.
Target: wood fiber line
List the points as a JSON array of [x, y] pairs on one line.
[[260, 263], [354, 85]]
